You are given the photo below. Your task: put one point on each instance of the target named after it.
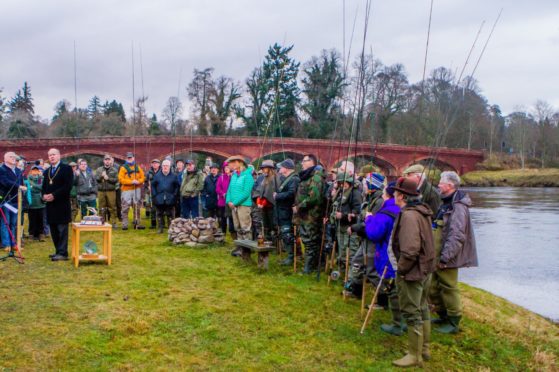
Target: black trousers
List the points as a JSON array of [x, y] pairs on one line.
[[164, 211], [59, 234], [225, 219], [36, 226]]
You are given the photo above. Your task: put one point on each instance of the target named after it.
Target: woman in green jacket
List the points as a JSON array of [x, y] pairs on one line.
[[239, 196]]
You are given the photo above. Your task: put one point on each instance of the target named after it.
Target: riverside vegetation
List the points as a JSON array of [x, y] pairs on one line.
[[165, 307]]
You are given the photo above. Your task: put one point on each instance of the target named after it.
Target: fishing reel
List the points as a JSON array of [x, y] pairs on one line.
[[335, 275]]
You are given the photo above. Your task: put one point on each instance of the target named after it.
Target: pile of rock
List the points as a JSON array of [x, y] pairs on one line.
[[194, 232]]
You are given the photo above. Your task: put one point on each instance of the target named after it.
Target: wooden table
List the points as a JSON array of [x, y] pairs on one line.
[[107, 231]]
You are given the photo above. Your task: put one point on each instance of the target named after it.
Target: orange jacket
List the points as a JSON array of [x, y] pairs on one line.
[[127, 174]]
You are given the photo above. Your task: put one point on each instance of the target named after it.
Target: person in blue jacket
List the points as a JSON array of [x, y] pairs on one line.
[[378, 229], [11, 180]]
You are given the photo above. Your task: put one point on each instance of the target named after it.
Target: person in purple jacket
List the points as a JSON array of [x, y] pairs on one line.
[[223, 211], [378, 229]]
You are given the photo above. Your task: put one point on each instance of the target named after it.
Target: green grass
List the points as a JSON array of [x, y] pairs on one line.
[[547, 177], [164, 307]]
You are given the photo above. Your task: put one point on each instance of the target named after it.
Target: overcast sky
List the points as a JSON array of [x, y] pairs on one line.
[[37, 39]]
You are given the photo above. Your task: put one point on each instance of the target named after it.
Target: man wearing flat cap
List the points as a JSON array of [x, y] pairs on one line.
[[107, 178], [429, 194]]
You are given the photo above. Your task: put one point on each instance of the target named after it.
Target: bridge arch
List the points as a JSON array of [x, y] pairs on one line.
[[437, 163], [118, 157], [181, 152], [385, 165]]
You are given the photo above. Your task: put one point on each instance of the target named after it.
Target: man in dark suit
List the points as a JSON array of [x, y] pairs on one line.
[[57, 184]]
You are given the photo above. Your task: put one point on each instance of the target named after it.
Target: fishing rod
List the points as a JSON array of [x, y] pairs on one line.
[[357, 114], [449, 122]]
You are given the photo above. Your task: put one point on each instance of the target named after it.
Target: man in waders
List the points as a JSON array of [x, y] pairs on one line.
[[455, 247], [414, 251]]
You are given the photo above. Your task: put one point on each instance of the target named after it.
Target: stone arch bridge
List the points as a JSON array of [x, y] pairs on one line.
[[393, 159]]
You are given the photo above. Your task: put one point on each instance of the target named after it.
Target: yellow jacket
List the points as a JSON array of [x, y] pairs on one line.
[[127, 174]]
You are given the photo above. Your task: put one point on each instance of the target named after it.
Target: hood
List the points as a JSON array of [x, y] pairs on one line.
[[462, 198], [390, 206], [421, 208]]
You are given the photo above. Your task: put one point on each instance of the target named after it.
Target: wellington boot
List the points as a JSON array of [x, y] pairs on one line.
[[451, 327], [392, 329], [425, 353], [442, 319], [413, 357]]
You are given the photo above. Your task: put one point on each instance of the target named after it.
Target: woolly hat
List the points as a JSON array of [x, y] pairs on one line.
[[390, 188], [214, 165], [288, 164], [375, 181]]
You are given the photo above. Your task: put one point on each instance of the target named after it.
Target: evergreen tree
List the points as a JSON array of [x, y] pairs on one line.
[[114, 107], [94, 107], [23, 101], [154, 128], [323, 86]]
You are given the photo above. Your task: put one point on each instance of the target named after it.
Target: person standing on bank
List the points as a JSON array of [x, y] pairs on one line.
[[414, 250], [131, 177], [285, 198], [238, 196], [308, 210], [429, 193], [191, 187], [165, 188], [455, 247], [57, 184], [107, 179], [210, 191], [86, 187], [11, 181], [149, 204], [37, 206]]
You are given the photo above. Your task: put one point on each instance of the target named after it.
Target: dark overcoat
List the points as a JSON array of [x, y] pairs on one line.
[[59, 184]]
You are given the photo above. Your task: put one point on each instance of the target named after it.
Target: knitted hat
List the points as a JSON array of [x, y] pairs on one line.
[[375, 181], [214, 165], [390, 188]]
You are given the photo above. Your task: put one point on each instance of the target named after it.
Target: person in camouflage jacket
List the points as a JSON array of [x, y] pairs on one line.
[[309, 209]]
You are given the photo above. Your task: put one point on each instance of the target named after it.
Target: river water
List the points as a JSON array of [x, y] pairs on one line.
[[517, 235]]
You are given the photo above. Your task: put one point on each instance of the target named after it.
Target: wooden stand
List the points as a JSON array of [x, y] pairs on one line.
[[249, 246], [106, 229]]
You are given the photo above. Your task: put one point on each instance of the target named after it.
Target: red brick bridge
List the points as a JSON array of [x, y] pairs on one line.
[[391, 158]]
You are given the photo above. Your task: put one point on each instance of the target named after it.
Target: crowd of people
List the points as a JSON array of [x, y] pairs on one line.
[[406, 237]]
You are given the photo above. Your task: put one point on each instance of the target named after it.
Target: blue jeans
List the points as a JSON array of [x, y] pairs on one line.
[[11, 217], [189, 207]]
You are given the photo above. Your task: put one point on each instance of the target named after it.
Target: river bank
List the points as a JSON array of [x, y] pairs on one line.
[[546, 177], [167, 307]]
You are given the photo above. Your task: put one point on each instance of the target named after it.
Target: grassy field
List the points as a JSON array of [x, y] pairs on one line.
[[547, 177], [161, 307]]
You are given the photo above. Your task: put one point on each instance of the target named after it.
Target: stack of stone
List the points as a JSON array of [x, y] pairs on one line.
[[194, 232]]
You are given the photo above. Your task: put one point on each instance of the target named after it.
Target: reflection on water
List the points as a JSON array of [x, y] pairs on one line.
[[517, 235]]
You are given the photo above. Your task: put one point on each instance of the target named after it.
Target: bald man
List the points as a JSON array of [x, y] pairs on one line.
[[11, 180], [57, 184]]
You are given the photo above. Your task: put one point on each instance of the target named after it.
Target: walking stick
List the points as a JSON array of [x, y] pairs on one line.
[[294, 249], [346, 265], [331, 261], [364, 289], [373, 300]]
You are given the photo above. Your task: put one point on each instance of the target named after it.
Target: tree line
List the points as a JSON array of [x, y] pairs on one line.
[[320, 98]]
